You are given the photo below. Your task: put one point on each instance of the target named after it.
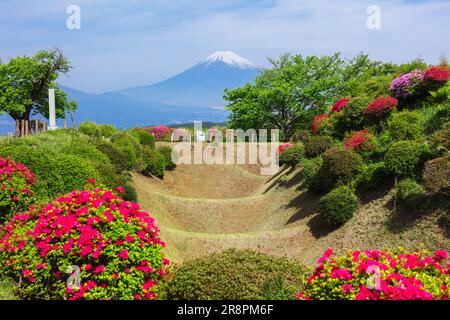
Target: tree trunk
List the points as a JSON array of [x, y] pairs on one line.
[[25, 117]]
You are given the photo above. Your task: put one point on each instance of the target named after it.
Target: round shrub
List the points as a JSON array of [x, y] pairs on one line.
[[116, 157], [130, 146], [320, 124], [362, 142], [440, 140], [153, 163], [113, 242], [72, 172], [167, 154], [108, 175], [351, 117], [405, 125], [381, 106], [300, 136], [144, 138], [107, 130], [310, 169], [405, 158], [408, 192], [90, 128], [379, 275], [339, 167], [231, 275], [292, 156], [338, 206], [16, 185], [317, 145], [85, 151], [370, 177], [436, 175]]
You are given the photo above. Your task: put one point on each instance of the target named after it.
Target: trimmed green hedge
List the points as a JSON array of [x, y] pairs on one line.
[[236, 275], [405, 158], [338, 206]]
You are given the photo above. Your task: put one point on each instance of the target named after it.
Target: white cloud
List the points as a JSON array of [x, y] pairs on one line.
[[130, 43]]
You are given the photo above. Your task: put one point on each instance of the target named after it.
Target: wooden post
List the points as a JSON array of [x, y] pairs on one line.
[[45, 126], [17, 128], [65, 123], [36, 126], [22, 128], [27, 129]]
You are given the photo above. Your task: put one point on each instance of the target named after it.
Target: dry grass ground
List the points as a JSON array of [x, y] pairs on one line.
[[206, 208]]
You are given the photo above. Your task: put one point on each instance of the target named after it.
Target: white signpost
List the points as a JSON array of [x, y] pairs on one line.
[[51, 109], [200, 136]]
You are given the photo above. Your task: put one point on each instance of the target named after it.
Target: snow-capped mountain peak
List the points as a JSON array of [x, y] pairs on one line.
[[230, 58]]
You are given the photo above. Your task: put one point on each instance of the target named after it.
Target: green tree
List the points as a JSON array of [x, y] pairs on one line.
[[24, 84], [292, 91]]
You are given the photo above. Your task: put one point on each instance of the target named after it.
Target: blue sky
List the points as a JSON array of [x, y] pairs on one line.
[[128, 43]]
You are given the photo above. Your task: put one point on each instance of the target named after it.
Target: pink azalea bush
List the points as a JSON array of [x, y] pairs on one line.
[[380, 275], [159, 132], [16, 183], [113, 242], [319, 123], [339, 105], [405, 85], [362, 142]]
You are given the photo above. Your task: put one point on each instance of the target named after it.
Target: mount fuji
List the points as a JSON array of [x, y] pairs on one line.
[[195, 94], [202, 85]]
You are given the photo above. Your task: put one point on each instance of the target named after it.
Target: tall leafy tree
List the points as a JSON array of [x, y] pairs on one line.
[[293, 90], [284, 95], [24, 84]]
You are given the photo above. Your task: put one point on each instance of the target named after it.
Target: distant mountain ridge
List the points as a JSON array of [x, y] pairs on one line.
[[202, 85], [194, 94]]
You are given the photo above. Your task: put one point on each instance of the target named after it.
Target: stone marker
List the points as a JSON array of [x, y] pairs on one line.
[[51, 109]]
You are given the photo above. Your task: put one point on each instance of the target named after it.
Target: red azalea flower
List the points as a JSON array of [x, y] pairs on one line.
[[340, 104], [123, 254], [381, 105], [361, 141], [319, 122], [437, 73]]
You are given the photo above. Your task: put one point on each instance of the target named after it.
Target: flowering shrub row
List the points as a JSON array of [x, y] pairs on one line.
[[411, 82], [16, 182], [159, 132], [380, 275], [362, 142], [113, 242]]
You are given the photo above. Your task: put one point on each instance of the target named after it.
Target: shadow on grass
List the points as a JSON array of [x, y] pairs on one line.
[[415, 209], [319, 227], [306, 204], [280, 179], [368, 195]]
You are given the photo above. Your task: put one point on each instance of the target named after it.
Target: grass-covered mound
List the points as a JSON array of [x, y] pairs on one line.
[[112, 243], [236, 275]]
